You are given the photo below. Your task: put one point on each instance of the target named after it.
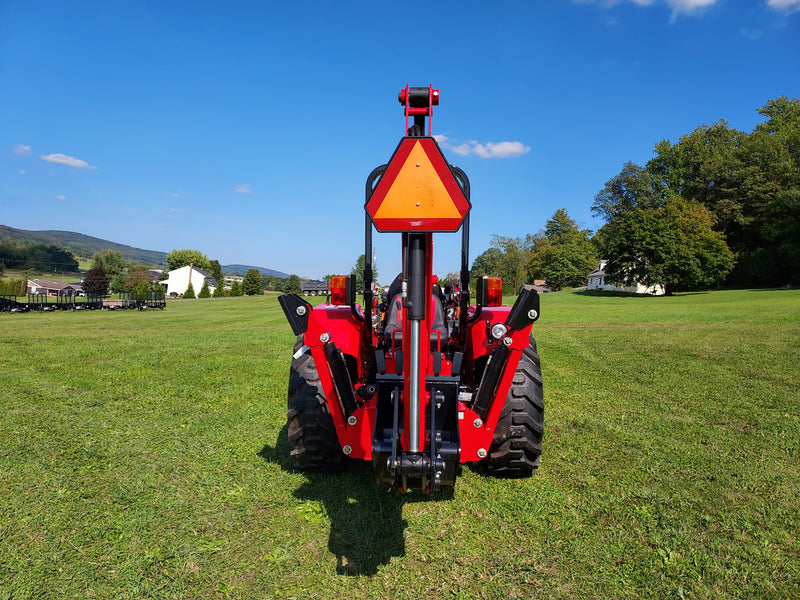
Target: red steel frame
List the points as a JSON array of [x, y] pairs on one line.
[[475, 434], [349, 327]]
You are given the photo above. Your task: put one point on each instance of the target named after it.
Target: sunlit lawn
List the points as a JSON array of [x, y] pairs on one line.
[[143, 456]]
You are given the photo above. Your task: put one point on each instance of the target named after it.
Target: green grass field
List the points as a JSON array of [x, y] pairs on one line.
[[58, 276], [143, 455]]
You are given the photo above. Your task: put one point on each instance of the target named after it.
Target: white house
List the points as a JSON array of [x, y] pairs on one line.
[[229, 279], [597, 281], [178, 280]]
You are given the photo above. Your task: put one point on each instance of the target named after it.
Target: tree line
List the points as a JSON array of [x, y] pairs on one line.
[[719, 206], [36, 256], [110, 272], [561, 254]]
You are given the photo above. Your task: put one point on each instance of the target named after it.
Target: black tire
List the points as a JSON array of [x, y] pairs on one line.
[[313, 445], [517, 443]]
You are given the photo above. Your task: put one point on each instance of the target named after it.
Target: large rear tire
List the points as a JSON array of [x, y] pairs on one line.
[[313, 445], [517, 443]]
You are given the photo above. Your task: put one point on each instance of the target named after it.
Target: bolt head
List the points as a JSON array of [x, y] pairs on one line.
[[481, 452], [301, 310], [352, 420], [325, 338], [532, 314], [347, 449], [477, 423], [507, 341]]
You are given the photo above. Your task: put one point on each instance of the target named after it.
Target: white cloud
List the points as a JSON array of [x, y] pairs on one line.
[[691, 6], [173, 195], [61, 197], [69, 161], [678, 6], [786, 5], [22, 150], [485, 150], [688, 6], [610, 3], [244, 188]]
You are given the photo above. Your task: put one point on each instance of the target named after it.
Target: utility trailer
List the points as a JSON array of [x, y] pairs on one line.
[[429, 378], [314, 288]]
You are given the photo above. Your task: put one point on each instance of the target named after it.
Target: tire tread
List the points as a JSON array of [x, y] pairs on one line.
[[517, 444]]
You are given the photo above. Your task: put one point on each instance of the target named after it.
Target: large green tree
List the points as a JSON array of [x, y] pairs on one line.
[[272, 283], [564, 255], [96, 282], [292, 285], [506, 258], [136, 274], [750, 182], [769, 246], [633, 187], [215, 269], [37, 257], [180, 258], [251, 285], [674, 245], [488, 263], [358, 273], [111, 260], [514, 262], [141, 290], [705, 166]]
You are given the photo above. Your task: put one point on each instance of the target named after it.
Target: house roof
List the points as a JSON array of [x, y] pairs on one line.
[[600, 270], [211, 281], [52, 284]]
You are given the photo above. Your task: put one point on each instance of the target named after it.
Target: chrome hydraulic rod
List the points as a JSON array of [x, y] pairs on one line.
[[417, 298], [414, 391]]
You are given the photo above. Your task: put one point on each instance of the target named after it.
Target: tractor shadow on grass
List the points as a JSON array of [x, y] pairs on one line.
[[367, 525]]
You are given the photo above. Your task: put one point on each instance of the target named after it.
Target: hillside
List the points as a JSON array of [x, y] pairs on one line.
[[243, 269], [85, 246]]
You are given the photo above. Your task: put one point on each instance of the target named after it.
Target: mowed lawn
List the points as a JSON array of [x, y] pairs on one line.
[[143, 455]]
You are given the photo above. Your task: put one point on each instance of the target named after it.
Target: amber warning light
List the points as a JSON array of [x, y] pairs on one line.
[[418, 191], [342, 290], [490, 291]]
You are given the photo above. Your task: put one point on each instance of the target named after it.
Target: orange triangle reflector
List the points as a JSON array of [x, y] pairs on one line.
[[417, 192]]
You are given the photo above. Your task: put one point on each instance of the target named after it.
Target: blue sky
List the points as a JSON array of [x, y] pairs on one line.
[[246, 130]]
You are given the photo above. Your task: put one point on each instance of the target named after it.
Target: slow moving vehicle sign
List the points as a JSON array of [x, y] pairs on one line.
[[418, 191]]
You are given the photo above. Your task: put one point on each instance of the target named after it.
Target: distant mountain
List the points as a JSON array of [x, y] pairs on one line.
[[86, 246], [243, 269]]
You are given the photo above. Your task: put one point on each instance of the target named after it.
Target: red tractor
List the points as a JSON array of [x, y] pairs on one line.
[[424, 380]]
